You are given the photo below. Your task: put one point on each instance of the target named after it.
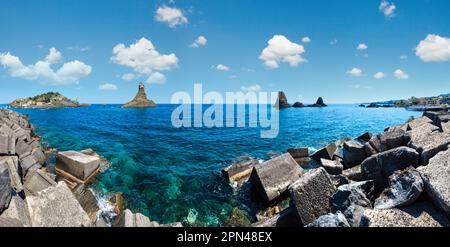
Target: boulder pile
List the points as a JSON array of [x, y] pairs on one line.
[[398, 178], [32, 196]]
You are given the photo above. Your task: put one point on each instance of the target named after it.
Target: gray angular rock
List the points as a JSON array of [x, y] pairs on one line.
[[310, 195], [436, 177], [78, 164], [381, 166], [5, 187], [7, 144], [433, 115], [128, 219], [330, 220], [273, 177], [300, 155], [364, 137], [333, 167], [39, 155], [401, 127], [11, 162], [373, 145], [9, 222], [17, 210], [327, 152], [445, 127], [405, 187], [37, 181], [354, 173], [393, 139], [286, 218], [417, 215], [339, 180], [416, 123], [28, 164], [22, 148], [56, 206], [240, 171], [428, 141], [354, 154]]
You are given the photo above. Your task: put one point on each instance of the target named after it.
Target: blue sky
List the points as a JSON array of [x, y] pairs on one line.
[[406, 40]]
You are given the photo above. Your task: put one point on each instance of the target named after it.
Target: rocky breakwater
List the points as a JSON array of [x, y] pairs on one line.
[[35, 193], [140, 100], [398, 178], [45, 101]]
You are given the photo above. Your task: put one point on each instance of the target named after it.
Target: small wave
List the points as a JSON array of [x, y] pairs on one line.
[[106, 212]]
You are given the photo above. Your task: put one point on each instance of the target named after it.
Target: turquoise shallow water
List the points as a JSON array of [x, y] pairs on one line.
[[173, 174]]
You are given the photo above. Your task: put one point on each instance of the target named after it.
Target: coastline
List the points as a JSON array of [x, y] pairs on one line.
[[272, 214]]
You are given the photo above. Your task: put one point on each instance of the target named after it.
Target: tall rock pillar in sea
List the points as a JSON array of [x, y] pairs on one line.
[[282, 101], [140, 100]]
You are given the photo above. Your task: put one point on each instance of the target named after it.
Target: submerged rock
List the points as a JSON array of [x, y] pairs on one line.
[[140, 100], [404, 189], [310, 195], [273, 177]]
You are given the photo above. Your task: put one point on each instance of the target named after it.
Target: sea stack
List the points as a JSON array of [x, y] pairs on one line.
[[140, 100], [282, 101], [319, 103]]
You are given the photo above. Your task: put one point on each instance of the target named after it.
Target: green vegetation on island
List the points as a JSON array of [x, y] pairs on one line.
[[46, 100]]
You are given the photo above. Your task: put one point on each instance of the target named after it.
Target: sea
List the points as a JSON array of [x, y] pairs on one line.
[[174, 174]]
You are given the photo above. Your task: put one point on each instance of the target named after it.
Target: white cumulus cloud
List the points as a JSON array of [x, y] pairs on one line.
[[387, 8], [362, 47], [306, 40], [107, 87], [253, 88], [156, 78], [280, 49], [143, 57], [379, 75], [128, 76], [222, 67], [355, 72], [171, 16], [434, 48], [200, 41], [400, 74], [68, 73]]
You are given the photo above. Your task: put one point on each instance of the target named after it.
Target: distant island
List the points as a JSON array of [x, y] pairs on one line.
[[140, 100], [46, 100], [282, 102]]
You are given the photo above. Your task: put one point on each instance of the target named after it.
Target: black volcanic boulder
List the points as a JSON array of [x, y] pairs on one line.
[[282, 101], [405, 187], [298, 105], [319, 103], [381, 166], [5, 187]]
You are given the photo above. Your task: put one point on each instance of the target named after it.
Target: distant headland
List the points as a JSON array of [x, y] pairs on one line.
[[46, 100]]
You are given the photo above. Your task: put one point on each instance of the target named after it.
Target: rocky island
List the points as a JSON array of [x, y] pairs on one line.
[[282, 102], [140, 100], [45, 101]]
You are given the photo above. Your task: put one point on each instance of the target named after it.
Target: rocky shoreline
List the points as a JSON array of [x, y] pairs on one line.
[[398, 178], [36, 193]]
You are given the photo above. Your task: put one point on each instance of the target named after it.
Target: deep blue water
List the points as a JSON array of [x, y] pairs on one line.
[[173, 174]]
